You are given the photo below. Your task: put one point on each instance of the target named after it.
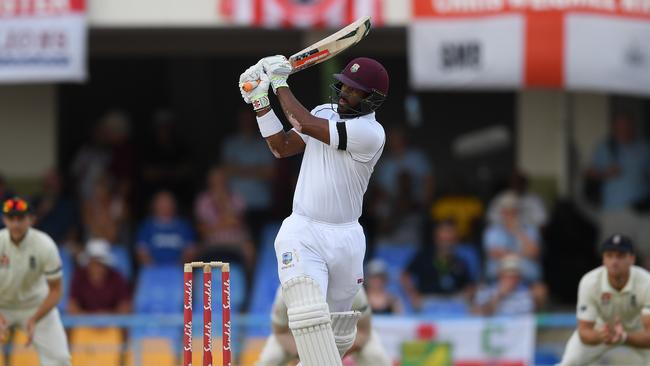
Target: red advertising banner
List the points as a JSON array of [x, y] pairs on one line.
[[301, 14], [549, 37], [42, 41]]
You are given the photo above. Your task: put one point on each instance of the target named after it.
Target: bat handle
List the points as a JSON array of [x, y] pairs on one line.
[[250, 85]]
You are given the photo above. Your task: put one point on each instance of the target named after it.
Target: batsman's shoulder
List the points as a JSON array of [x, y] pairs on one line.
[[323, 111]]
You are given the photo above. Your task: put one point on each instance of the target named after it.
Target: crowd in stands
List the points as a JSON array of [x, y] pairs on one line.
[[428, 251]]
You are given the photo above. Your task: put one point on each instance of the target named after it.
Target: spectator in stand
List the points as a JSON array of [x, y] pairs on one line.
[[97, 287], [401, 157], [437, 272], [381, 301], [622, 164], [90, 162], [164, 238], [54, 212], [512, 236], [220, 216], [509, 295], [531, 206], [400, 219], [166, 163], [104, 213], [249, 165]]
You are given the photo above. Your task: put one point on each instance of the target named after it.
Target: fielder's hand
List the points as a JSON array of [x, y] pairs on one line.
[[278, 69], [259, 96], [4, 329]]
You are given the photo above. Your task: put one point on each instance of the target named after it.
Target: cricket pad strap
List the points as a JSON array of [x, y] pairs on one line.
[[344, 326], [310, 323]]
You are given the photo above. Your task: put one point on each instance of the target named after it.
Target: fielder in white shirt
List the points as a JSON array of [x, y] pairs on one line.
[[320, 247], [613, 308], [30, 284], [280, 346]]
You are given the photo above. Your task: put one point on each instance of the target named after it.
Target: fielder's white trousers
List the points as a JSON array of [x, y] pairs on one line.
[[49, 336], [580, 354], [331, 254]]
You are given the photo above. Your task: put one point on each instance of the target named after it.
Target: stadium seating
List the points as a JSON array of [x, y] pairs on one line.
[[266, 281], [122, 260], [67, 263], [96, 346], [21, 354], [152, 351], [159, 289]]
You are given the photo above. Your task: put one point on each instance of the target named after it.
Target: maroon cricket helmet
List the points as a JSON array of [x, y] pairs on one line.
[[365, 74]]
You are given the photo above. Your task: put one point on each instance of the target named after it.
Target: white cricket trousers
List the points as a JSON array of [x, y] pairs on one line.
[[331, 254], [49, 336], [580, 354]]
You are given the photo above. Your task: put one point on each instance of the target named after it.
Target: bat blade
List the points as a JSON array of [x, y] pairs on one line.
[[331, 46], [326, 48]]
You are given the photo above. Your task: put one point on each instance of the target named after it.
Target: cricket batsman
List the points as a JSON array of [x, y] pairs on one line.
[[280, 347], [613, 307], [321, 245], [30, 284]]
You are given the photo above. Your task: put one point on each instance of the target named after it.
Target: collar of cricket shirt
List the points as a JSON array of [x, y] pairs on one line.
[[605, 286]]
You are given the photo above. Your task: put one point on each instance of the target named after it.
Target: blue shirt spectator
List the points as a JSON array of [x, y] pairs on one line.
[[631, 164], [511, 236], [509, 295], [165, 238]]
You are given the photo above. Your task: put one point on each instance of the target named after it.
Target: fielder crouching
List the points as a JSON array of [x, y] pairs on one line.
[[280, 347], [613, 308]]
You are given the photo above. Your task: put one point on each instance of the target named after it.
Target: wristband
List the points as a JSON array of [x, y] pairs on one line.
[[269, 124], [623, 338]]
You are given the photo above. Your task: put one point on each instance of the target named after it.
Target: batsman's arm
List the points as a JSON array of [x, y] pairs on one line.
[[282, 144], [301, 119]]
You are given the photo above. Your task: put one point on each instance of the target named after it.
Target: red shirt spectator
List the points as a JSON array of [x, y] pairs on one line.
[[97, 287]]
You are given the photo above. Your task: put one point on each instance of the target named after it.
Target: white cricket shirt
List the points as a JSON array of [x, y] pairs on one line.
[[333, 178], [599, 302], [24, 269], [279, 311]]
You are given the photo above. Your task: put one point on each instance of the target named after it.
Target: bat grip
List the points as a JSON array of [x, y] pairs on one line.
[[250, 85]]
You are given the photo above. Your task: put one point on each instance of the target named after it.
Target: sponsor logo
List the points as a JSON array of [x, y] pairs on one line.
[[226, 294], [355, 68], [187, 331], [207, 291], [226, 335], [4, 260], [207, 332], [287, 257], [605, 298], [188, 295], [583, 308], [633, 301], [359, 281], [460, 55]]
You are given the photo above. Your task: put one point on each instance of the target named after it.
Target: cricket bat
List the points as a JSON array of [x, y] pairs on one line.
[[326, 48]]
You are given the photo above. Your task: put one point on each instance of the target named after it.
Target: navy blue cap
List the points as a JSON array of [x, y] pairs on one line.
[[618, 242]]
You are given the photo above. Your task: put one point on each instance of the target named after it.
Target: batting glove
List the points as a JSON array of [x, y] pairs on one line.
[[258, 96], [278, 69]]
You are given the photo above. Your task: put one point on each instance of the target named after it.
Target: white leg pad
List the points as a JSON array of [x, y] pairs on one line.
[[344, 326], [310, 323]]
